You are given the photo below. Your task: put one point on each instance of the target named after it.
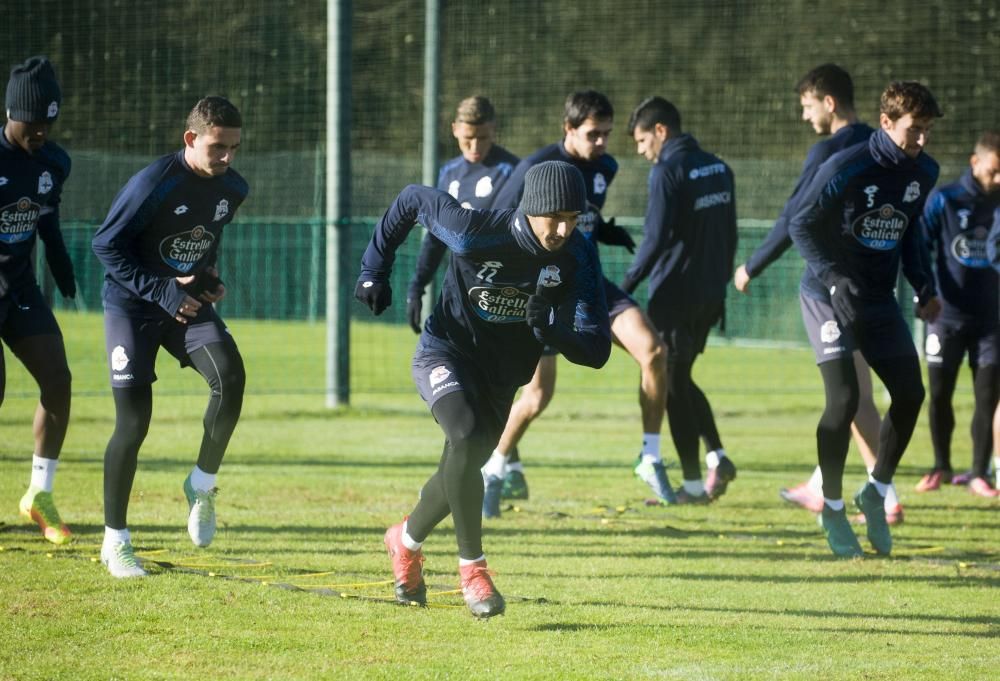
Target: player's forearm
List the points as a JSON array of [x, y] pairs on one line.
[[141, 282]]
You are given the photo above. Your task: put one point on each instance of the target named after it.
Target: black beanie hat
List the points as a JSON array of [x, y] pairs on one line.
[[553, 187], [33, 95]]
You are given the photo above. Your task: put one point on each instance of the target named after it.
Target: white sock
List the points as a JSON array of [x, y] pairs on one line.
[[891, 500], [694, 487], [113, 536], [881, 487], [202, 481], [43, 472], [408, 541], [496, 465], [816, 481], [834, 504], [462, 562], [651, 447], [712, 457], [516, 466]]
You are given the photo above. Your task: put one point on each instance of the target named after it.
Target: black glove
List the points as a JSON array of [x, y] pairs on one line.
[[611, 234], [204, 281], [414, 306], [62, 270], [844, 300], [377, 295], [539, 311]]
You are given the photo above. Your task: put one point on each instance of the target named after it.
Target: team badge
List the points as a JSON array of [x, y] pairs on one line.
[[912, 192], [453, 189], [829, 332], [119, 360], [549, 276], [438, 374], [932, 345], [53, 109], [963, 217], [3, 181], [870, 192], [485, 186], [180, 210], [221, 211], [600, 184], [45, 183]]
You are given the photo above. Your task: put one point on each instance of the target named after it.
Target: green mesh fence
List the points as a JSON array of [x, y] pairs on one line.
[[130, 71]]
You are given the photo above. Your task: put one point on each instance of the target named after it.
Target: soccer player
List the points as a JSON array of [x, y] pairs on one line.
[[587, 124], [826, 94], [518, 280], [473, 178], [687, 250], [32, 173], [956, 221], [159, 246], [853, 226]]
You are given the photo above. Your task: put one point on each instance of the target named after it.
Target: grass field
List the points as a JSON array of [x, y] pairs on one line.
[[598, 585]]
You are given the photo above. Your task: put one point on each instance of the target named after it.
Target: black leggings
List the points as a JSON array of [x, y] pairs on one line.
[[222, 367], [986, 385], [457, 486], [689, 414], [901, 377], [45, 359]]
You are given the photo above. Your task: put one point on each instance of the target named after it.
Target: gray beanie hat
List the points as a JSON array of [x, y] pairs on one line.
[[553, 187], [33, 95]]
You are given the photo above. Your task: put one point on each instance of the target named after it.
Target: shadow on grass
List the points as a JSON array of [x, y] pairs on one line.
[[577, 626]]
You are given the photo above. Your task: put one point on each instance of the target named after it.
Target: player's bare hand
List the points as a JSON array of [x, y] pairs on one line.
[[930, 310], [188, 309], [741, 280]]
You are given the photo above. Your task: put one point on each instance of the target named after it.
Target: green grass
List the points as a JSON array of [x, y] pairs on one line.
[[598, 585]]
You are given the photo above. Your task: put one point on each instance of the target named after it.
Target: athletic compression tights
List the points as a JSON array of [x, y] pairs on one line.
[[222, 367], [690, 416], [457, 485]]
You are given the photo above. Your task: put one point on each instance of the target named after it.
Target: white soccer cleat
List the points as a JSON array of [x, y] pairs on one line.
[[121, 561], [201, 513]]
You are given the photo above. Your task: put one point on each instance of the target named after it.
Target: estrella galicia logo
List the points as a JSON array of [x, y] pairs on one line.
[[18, 220], [182, 251], [500, 305], [880, 229], [969, 248]]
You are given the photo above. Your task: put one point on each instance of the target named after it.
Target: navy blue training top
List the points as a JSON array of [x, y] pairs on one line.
[[166, 222], [473, 185], [854, 220], [30, 189], [689, 235], [597, 177], [956, 222], [777, 240], [497, 262]]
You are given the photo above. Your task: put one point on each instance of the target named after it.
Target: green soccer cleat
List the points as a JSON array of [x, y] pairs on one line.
[[39, 507], [839, 534], [201, 513], [872, 505], [121, 561], [655, 475], [514, 486]]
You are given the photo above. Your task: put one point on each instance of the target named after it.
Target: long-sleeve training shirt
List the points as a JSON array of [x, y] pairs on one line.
[[689, 234], [597, 177], [497, 262], [30, 189], [166, 222], [473, 185], [854, 220], [956, 222], [777, 240]]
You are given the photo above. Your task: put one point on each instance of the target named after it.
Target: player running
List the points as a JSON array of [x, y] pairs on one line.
[[159, 246], [33, 171], [852, 227], [519, 279]]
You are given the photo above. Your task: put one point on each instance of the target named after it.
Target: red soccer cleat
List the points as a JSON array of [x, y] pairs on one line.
[[407, 568], [804, 496], [933, 480], [480, 594]]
